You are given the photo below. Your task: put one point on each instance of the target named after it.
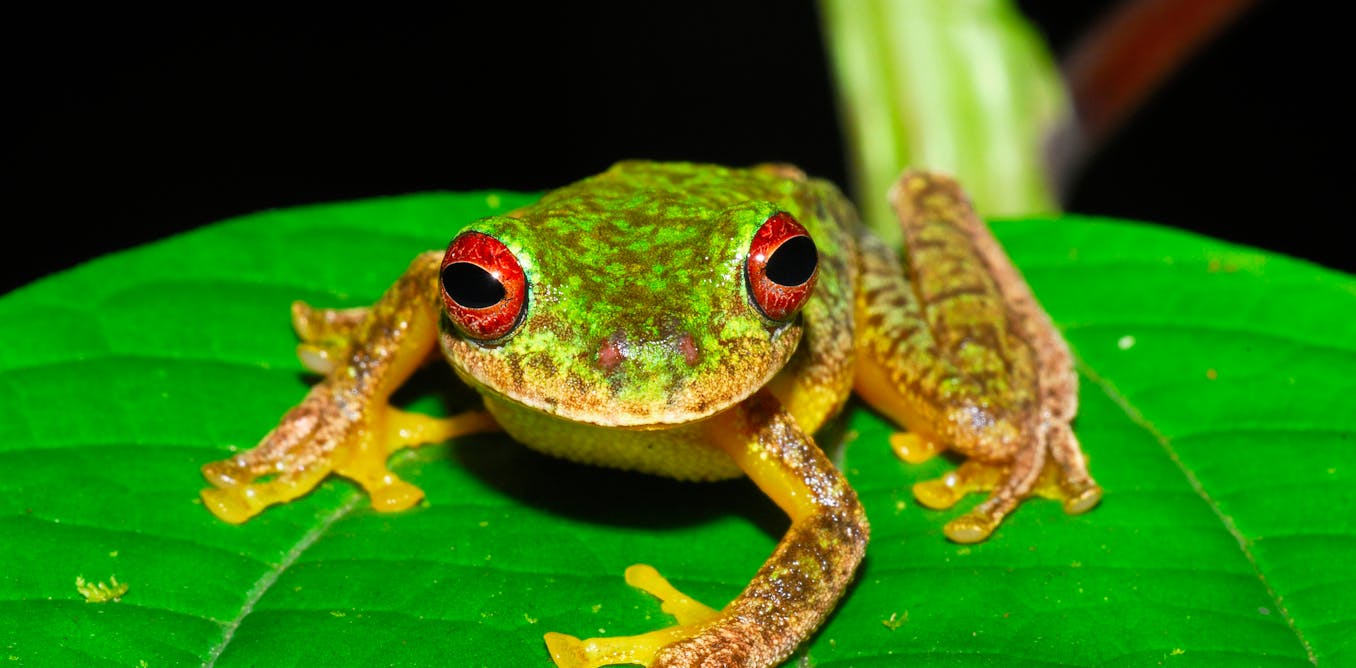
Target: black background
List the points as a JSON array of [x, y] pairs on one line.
[[125, 127]]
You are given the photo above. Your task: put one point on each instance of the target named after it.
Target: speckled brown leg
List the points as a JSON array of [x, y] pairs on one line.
[[345, 425], [797, 586], [813, 563], [953, 345]]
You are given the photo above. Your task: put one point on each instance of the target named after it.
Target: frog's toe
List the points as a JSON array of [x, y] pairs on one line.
[[386, 490], [326, 324], [225, 473], [567, 651], [913, 448], [405, 429], [938, 494], [321, 358], [684, 608], [1082, 500], [240, 502], [229, 505], [395, 494], [944, 492], [570, 652], [971, 527]]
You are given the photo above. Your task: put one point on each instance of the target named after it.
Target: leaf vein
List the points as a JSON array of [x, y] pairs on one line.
[[270, 577], [1243, 543]]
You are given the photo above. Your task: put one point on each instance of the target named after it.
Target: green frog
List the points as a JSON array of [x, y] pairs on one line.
[[702, 323]]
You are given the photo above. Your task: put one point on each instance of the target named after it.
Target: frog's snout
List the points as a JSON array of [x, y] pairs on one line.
[[617, 348]]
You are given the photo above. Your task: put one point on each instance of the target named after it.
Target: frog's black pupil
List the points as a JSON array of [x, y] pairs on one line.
[[793, 262], [471, 286]]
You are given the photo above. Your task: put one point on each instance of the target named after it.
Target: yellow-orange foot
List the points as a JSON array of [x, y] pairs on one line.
[[312, 441], [913, 448], [973, 476], [692, 616]]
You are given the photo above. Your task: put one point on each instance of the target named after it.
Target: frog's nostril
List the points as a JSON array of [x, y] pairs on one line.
[[613, 351], [688, 347]]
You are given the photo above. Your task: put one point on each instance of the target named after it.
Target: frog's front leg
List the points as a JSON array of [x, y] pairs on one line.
[[345, 424], [793, 591]]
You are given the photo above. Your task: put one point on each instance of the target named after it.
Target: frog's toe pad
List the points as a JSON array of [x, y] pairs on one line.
[[318, 358], [938, 494], [567, 651], [972, 527], [1083, 500], [913, 448], [317, 324], [230, 505], [398, 495], [225, 473], [970, 476]]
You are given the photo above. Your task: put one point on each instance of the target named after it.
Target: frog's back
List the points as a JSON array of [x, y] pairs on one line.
[[817, 381]]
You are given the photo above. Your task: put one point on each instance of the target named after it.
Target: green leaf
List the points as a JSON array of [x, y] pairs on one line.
[[1216, 411]]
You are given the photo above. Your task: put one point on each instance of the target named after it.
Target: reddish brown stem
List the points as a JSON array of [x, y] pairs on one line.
[[1122, 60]]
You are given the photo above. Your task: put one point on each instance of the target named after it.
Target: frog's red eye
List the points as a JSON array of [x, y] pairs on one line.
[[484, 288], [782, 268]]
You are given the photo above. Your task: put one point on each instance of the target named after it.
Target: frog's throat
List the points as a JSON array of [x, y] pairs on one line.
[[575, 400]]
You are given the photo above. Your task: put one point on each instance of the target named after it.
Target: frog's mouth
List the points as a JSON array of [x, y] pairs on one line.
[[626, 388]]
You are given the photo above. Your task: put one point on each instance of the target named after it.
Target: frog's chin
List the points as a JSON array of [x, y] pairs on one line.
[[620, 414], [651, 421]]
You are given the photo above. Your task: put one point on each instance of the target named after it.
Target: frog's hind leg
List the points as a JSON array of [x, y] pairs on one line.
[[952, 344]]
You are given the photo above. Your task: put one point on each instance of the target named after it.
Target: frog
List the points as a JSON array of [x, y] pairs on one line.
[[702, 323]]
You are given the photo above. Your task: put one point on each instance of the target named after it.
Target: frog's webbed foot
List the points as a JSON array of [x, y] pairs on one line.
[[319, 437], [1007, 483], [571, 652], [1060, 477], [290, 461]]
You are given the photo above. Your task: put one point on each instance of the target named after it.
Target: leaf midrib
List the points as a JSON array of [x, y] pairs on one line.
[[270, 577]]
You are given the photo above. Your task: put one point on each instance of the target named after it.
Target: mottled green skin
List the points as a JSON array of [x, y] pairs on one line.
[[648, 260]]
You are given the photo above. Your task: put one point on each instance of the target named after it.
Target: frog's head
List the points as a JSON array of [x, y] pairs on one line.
[[631, 302]]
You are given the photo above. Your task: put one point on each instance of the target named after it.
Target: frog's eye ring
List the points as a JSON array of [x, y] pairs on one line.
[[483, 286], [782, 268]]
